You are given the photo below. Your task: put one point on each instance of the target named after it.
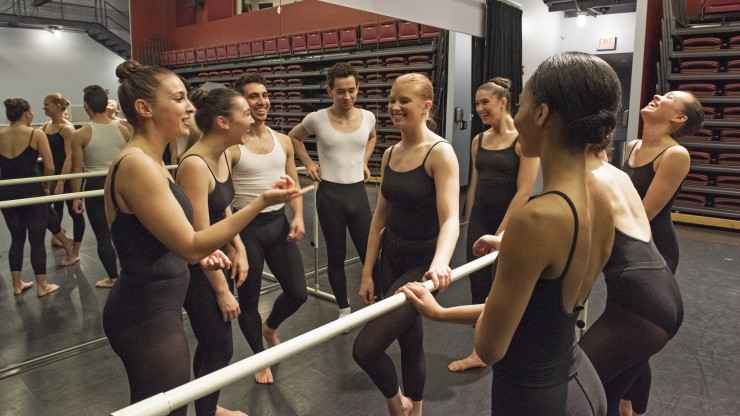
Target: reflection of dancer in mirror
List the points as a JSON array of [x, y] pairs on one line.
[[345, 139], [204, 175], [416, 222], [155, 242], [20, 148], [643, 301], [94, 146], [264, 156], [657, 165], [59, 133], [552, 251], [501, 181]]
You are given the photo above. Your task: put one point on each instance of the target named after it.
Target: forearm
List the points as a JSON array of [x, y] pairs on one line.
[[469, 200], [373, 248], [302, 153], [464, 314], [446, 241], [369, 148]]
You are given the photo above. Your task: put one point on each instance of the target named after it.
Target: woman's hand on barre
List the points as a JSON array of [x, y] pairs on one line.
[[77, 206], [439, 275], [486, 244], [422, 299]]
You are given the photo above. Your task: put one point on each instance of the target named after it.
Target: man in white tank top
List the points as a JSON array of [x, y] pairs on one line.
[[345, 139], [94, 146]]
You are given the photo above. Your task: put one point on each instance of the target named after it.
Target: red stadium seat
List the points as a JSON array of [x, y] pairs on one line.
[[408, 30], [313, 41], [221, 52], [232, 51], [180, 57], [721, 6], [348, 36], [210, 53], [172, 57], [388, 32], [258, 47], [200, 55], [330, 38], [298, 42], [164, 59], [270, 46], [245, 49], [429, 31], [369, 33], [190, 56], [283, 44]]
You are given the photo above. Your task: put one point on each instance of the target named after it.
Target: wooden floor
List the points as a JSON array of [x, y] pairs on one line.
[[55, 361]]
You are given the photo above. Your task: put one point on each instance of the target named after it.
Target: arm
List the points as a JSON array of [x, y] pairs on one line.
[[66, 132], [445, 171], [525, 179], [194, 179], [369, 148], [670, 172], [139, 178], [238, 257], [425, 303], [80, 138], [473, 184], [297, 227], [297, 136], [367, 285]]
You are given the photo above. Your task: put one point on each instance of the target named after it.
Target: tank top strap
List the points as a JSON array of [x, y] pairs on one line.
[[30, 139], [575, 229], [201, 157], [659, 154], [430, 151], [390, 155], [228, 165], [113, 183], [632, 150]]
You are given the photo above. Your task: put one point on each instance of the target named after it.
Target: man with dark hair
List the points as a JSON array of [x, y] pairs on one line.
[[345, 138], [94, 146]]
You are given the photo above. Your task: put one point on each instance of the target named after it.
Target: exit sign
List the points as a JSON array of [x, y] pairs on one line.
[[606, 44]]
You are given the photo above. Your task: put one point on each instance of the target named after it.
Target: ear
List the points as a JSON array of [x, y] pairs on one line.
[[679, 118], [542, 115], [328, 90], [504, 102], [222, 122], [428, 105], [143, 108]]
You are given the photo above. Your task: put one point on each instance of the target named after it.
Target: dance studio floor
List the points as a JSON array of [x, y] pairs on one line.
[[54, 359]]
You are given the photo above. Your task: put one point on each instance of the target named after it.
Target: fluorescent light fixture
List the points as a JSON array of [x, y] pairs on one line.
[[581, 19]]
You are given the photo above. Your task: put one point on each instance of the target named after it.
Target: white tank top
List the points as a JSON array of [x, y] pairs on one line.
[[105, 143], [255, 174], [341, 155]]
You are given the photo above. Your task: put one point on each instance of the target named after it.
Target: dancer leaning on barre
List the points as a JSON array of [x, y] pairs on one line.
[[657, 165], [154, 238], [20, 148], [526, 328], [204, 175], [263, 156], [416, 222], [59, 133], [501, 181]]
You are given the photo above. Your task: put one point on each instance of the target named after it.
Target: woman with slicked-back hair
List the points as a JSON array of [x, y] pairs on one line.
[[152, 228]]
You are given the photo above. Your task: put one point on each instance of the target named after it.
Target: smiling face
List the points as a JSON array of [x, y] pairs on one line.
[[51, 109], [343, 93], [241, 119], [258, 100], [490, 108], [664, 107], [405, 106], [171, 110]]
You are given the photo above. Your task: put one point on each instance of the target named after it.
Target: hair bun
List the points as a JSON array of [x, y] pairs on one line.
[[593, 128], [198, 98], [127, 68], [501, 82], [9, 102]]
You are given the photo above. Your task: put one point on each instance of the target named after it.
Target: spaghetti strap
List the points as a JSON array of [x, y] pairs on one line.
[[575, 229], [30, 139], [390, 155], [228, 165], [663, 151], [632, 150], [201, 157], [430, 151], [113, 183]]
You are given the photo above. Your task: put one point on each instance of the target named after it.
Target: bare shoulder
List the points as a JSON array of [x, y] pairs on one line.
[[284, 141]]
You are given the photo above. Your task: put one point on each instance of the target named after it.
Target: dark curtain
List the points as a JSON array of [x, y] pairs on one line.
[[499, 53]]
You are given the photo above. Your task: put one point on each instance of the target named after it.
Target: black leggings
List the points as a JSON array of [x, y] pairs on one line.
[[95, 208], [142, 320], [265, 241], [215, 342], [31, 219], [340, 207], [406, 261], [56, 212]]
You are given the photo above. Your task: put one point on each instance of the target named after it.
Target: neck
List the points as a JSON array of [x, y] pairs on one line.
[[504, 125], [561, 167], [258, 129], [414, 134], [100, 118], [340, 112], [19, 123], [654, 132], [57, 119], [212, 146]]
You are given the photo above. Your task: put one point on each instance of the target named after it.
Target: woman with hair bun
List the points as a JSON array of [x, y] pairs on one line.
[[59, 134], [552, 251], [416, 221], [156, 241], [657, 165], [20, 148], [501, 182]]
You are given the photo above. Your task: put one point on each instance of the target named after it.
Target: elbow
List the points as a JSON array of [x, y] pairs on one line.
[[488, 355]]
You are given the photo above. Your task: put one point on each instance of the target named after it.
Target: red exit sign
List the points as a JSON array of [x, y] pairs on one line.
[[606, 44]]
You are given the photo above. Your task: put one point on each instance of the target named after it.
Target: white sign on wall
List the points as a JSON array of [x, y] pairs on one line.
[[606, 44]]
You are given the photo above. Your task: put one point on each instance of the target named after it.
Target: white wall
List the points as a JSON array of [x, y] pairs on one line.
[[583, 39], [541, 34], [35, 63]]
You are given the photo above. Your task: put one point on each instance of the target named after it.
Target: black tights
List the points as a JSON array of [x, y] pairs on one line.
[[95, 208], [342, 207], [619, 345], [215, 342], [56, 212], [31, 219], [265, 241], [406, 262]]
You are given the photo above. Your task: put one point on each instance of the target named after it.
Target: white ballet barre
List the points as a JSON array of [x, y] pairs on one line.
[[164, 403], [63, 177]]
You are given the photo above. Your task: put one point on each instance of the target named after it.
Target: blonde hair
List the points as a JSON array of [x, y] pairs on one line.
[[58, 99], [424, 90]]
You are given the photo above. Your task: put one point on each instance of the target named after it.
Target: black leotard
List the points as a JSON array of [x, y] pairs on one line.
[[409, 243], [643, 303], [142, 316], [25, 165], [498, 171], [544, 372], [661, 226]]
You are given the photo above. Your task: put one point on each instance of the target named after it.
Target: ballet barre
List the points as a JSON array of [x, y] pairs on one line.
[[164, 403]]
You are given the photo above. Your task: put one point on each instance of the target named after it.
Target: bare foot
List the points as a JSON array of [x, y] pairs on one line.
[[220, 411], [24, 286], [48, 288], [105, 283], [625, 408], [56, 242], [264, 376], [400, 405], [270, 335], [471, 361], [70, 260]]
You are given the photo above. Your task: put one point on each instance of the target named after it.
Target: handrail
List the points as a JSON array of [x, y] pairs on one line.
[[72, 12], [164, 403]]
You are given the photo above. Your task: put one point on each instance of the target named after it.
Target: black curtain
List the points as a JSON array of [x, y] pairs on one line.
[[499, 52]]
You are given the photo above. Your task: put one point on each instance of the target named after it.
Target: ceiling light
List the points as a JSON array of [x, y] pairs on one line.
[[581, 19]]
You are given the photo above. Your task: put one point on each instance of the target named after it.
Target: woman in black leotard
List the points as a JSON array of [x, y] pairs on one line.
[[501, 181], [20, 147], [657, 165], [59, 133], [416, 223], [204, 174], [643, 301], [151, 227], [552, 251]]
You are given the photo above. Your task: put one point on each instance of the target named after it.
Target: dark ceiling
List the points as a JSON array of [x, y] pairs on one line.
[[592, 7]]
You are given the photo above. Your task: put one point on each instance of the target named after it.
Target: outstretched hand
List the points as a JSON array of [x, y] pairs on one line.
[[422, 299], [283, 191]]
